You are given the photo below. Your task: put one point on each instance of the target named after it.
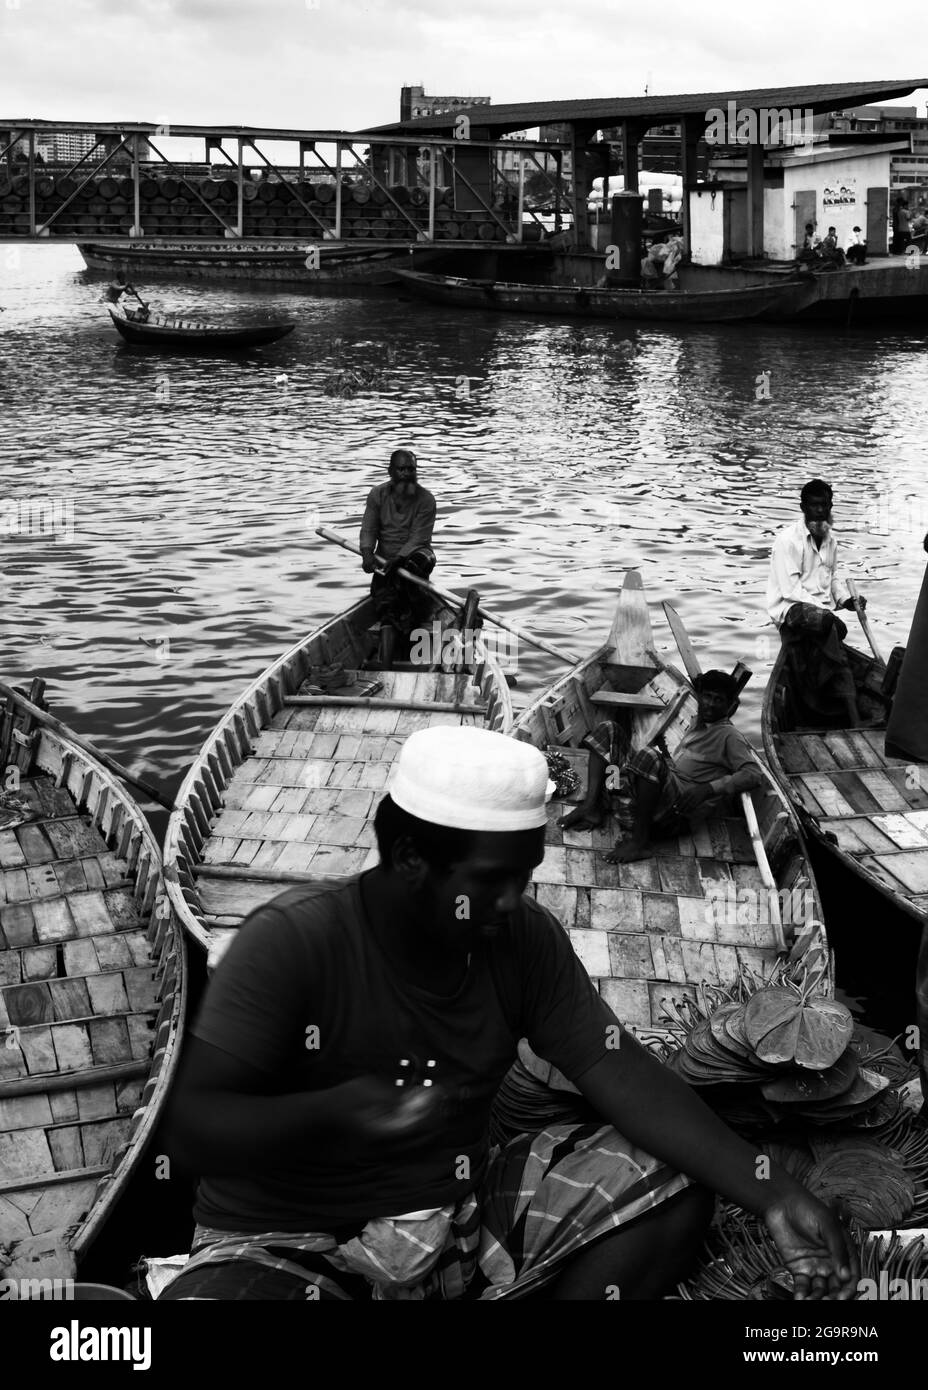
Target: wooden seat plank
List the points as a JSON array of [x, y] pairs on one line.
[[882, 788], [842, 749], [855, 792], [901, 831], [868, 755], [819, 753], [825, 793], [906, 867]]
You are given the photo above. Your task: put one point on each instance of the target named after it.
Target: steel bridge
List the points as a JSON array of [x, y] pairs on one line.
[[337, 186]]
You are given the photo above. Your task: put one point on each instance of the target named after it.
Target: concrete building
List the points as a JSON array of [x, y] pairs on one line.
[[414, 103], [829, 185]]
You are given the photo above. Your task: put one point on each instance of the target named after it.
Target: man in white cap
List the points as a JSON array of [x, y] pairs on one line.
[[336, 1092]]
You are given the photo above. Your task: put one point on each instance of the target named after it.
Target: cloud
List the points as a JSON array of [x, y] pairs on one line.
[[339, 64]]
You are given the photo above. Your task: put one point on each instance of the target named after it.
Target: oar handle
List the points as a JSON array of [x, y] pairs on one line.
[[864, 621], [59, 727], [453, 601]]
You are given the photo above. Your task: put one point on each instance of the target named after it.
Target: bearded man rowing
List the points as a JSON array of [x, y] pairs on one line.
[[397, 528]]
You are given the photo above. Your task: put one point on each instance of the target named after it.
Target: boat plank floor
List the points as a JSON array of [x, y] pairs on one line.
[[645, 931], [79, 989]]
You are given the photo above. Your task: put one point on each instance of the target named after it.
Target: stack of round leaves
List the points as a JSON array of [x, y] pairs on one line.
[[783, 1026], [792, 1056]]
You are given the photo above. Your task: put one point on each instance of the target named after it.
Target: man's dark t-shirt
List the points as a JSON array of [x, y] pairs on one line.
[[305, 995]]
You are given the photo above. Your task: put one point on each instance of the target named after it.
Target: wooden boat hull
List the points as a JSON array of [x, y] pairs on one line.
[[868, 810], [653, 931], [159, 332], [282, 794], [776, 300], [92, 993]]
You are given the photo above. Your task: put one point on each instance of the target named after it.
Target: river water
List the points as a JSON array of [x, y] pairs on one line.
[[158, 546]]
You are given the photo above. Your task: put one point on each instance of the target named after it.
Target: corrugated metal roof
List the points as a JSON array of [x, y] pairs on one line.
[[609, 111]]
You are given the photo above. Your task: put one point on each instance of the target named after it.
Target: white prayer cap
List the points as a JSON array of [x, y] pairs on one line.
[[470, 779]]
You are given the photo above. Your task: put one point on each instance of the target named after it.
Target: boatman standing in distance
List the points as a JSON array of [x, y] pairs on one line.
[[397, 528], [335, 1095], [802, 600]]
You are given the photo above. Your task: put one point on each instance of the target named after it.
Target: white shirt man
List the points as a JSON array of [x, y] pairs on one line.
[[802, 572]]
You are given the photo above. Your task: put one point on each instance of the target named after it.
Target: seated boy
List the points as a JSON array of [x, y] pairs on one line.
[[712, 765]]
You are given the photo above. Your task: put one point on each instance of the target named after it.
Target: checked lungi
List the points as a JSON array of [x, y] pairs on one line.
[[400, 604], [817, 662], [651, 765], [545, 1197]]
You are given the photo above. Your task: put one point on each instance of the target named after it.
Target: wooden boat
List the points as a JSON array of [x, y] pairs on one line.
[[92, 987], [159, 331], [283, 788], [652, 931], [869, 810], [780, 298]]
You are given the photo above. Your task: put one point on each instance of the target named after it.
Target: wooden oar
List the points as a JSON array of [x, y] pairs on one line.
[[58, 727], [742, 675], [864, 621], [453, 601], [684, 645]]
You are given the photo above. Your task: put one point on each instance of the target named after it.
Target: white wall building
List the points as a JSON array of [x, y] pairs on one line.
[[828, 185]]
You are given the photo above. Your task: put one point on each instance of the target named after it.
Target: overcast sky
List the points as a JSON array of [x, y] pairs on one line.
[[324, 64]]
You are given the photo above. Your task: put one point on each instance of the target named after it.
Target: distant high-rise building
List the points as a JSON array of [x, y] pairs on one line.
[[414, 102]]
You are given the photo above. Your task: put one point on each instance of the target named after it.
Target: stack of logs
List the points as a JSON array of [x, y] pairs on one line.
[[168, 207]]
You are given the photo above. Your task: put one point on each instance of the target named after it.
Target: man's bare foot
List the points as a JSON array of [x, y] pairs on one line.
[[582, 818], [626, 851]]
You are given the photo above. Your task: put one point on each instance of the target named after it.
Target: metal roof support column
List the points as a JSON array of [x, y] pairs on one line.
[[755, 164], [240, 204], [691, 132], [32, 183], [136, 203], [630, 138], [581, 179]]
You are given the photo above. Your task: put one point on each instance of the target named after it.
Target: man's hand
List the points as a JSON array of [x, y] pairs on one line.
[[850, 604], [692, 798], [371, 1109], [814, 1247], [368, 563], [392, 565]]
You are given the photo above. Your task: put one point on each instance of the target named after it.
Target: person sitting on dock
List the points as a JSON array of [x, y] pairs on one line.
[[712, 765], [857, 251], [397, 527], [830, 252], [335, 1094], [808, 252], [802, 600]]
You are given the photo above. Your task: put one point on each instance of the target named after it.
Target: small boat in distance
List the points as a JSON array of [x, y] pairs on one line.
[[780, 298], [193, 334]]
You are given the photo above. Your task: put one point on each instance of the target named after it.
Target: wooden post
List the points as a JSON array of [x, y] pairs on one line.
[[558, 174], [521, 209]]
